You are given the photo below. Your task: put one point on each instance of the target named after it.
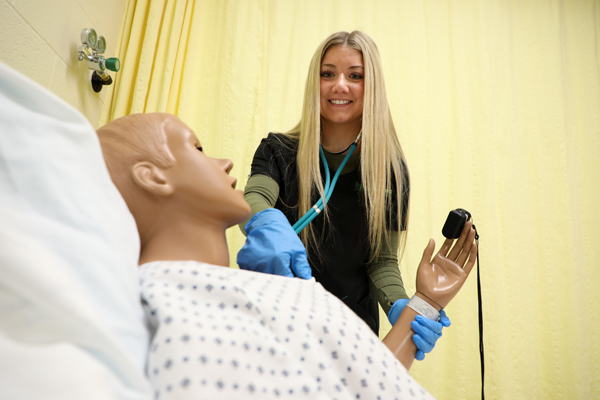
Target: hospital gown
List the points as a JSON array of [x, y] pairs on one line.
[[222, 333]]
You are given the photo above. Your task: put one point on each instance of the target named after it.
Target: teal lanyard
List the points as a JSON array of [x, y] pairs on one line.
[[329, 186]]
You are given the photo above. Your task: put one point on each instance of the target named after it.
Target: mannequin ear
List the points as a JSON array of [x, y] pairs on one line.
[[151, 178]]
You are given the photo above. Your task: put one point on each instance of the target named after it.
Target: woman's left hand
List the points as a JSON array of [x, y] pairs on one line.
[[427, 331]]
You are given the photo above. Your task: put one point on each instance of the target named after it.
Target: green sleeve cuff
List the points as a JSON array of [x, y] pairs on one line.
[[261, 192], [385, 280]]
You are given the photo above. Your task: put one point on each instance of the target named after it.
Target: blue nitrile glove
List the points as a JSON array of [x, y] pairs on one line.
[[273, 247], [427, 331], [396, 310]]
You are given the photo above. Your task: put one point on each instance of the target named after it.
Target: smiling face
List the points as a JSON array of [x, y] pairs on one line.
[[342, 86], [200, 182]]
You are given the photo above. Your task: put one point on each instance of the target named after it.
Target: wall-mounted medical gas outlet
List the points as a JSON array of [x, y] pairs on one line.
[[91, 50]]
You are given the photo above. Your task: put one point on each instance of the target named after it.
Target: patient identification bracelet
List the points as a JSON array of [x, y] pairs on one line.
[[424, 308]]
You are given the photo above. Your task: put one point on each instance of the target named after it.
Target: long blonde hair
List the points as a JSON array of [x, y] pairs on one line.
[[381, 159]]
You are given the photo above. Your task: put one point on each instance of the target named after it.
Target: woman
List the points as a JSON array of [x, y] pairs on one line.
[[353, 247]]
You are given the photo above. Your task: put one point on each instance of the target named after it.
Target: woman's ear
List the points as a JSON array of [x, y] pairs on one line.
[[151, 178]]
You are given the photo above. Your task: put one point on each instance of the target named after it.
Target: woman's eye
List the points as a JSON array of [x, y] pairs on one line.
[[199, 148], [326, 74], [356, 76]]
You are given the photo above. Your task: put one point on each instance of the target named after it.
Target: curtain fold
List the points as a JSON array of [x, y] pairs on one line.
[[497, 107]]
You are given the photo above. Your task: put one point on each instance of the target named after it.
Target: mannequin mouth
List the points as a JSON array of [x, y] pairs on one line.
[[234, 183]]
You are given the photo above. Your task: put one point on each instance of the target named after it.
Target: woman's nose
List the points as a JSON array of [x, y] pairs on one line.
[[225, 164], [341, 84]]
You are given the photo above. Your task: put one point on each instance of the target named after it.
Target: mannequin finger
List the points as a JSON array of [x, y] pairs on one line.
[[456, 250], [446, 247], [428, 252], [472, 258], [466, 249], [470, 239]]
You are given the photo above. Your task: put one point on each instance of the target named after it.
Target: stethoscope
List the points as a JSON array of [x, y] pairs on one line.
[[329, 185]]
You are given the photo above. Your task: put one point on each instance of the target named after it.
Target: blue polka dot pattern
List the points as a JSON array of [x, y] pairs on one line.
[[222, 333]]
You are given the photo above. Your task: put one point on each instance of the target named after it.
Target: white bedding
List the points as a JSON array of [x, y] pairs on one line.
[[71, 326]]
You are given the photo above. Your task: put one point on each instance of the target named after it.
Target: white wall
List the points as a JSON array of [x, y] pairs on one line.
[[39, 38]]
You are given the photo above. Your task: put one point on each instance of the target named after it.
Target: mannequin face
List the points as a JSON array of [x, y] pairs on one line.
[[342, 85], [202, 184]]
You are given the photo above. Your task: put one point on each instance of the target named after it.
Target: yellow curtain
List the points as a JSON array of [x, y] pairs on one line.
[[497, 106]]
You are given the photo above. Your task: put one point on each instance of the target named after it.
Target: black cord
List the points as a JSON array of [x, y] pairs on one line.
[[481, 359]]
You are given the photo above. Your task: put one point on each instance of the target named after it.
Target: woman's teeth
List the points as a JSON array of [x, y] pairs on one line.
[[340, 101]]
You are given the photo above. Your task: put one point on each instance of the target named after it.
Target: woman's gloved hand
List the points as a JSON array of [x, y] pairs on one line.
[[273, 247], [427, 331]]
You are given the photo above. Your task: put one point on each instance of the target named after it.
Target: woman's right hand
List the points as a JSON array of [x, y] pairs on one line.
[[273, 247]]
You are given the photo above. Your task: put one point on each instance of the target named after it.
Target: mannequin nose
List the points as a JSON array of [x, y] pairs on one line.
[[225, 164]]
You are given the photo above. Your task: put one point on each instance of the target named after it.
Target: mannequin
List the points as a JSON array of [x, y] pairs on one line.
[[183, 201]]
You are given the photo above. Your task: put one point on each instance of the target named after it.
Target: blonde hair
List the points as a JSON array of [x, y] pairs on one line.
[[382, 159]]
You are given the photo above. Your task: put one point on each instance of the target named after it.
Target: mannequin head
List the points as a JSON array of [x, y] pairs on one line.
[[158, 164]]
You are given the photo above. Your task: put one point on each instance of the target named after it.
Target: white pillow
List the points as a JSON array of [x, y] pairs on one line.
[[69, 298]]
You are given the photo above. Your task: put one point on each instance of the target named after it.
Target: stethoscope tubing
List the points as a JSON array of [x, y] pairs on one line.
[[329, 186]]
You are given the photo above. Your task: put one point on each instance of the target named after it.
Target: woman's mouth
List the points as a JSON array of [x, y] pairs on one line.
[[340, 102]]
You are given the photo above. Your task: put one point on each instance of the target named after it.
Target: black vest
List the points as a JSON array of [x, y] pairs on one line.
[[340, 262]]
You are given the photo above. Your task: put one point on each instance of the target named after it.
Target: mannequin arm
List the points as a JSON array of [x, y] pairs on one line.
[[438, 281], [399, 339]]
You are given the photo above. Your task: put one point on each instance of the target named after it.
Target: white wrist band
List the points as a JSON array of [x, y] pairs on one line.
[[424, 308]]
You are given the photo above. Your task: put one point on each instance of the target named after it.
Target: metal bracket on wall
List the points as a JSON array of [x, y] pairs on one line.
[[91, 50]]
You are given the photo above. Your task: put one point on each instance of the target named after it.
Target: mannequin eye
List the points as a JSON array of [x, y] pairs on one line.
[[199, 148]]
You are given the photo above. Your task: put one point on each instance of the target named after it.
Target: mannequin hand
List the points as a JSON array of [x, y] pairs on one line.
[[440, 279], [427, 331], [273, 247]]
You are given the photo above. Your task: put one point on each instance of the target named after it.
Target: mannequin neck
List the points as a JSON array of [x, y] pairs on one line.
[[185, 240]]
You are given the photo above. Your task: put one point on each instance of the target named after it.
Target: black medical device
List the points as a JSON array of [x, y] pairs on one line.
[[455, 222]]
